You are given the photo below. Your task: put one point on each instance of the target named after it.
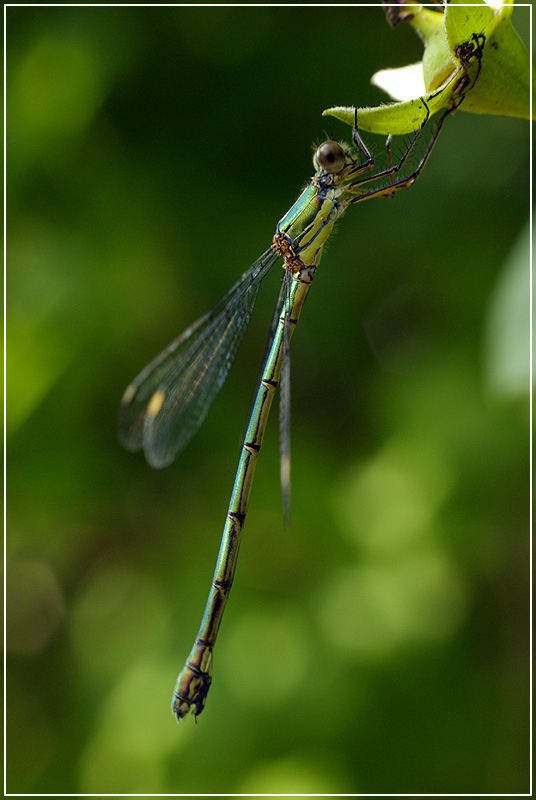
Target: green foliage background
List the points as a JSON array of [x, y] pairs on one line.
[[379, 645]]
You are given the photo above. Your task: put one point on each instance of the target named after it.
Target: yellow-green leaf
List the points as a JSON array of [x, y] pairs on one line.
[[503, 86], [498, 83]]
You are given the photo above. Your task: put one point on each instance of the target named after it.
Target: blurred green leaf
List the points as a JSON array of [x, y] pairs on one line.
[[508, 324]]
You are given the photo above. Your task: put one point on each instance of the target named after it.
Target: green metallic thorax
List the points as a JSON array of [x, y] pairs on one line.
[[303, 231]]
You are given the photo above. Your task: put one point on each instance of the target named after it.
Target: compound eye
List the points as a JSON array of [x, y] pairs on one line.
[[330, 156]]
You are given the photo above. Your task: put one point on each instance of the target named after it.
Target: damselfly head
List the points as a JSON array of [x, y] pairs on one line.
[[330, 156]]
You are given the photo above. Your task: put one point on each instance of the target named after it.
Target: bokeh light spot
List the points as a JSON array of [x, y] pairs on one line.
[[265, 655], [372, 609], [387, 503], [35, 606], [134, 734], [57, 87], [119, 615], [309, 774]]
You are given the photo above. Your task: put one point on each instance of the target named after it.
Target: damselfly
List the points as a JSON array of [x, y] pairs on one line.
[[166, 404]]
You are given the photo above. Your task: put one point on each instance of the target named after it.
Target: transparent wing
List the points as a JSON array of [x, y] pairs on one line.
[[284, 401], [274, 323], [166, 404], [282, 309]]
